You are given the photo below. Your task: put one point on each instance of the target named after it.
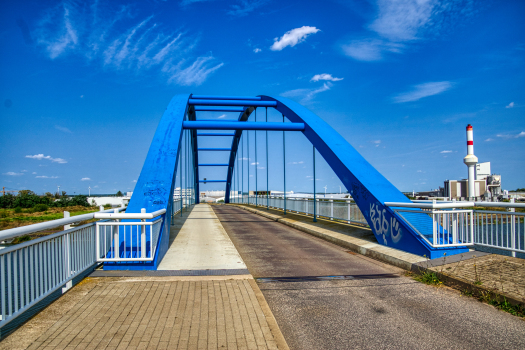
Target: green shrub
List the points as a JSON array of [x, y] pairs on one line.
[[18, 210], [4, 214], [40, 207], [107, 206]]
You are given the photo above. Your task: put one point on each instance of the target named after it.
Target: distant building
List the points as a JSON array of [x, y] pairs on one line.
[[482, 170], [459, 189]]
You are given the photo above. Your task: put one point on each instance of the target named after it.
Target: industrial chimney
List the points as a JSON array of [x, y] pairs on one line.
[[471, 160]]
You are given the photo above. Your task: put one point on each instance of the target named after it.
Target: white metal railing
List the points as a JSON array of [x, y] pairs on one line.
[[134, 239], [33, 270], [441, 228], [452, 225], [346, 210]]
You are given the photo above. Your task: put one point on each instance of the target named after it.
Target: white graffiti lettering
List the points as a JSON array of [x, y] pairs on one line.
[[382, 227]]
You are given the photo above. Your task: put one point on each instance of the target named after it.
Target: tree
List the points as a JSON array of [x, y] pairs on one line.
[[119, 194]]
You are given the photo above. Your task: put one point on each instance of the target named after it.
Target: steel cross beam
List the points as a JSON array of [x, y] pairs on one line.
[[243, 126], [196, 102]]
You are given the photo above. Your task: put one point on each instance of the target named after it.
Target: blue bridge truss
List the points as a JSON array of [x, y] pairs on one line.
[[179, 129]]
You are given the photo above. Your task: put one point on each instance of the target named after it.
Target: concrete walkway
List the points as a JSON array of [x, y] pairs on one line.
[[201, 244]]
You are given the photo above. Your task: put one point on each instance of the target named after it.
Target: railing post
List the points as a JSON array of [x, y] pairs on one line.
[[67, 215], [116, 247], [331, 209], [101, 208], [143, 236], [348, 204], [513, 228], [434, 232]]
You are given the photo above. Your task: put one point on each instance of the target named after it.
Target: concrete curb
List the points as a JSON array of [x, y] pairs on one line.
[[406, 261], [272, 322]]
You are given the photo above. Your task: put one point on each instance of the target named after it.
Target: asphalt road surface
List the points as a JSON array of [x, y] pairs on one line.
[[325, 297]]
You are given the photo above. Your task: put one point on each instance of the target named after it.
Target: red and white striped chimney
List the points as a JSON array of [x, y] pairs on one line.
[[471, 160]]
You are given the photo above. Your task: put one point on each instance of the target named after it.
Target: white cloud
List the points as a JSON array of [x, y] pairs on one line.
[[306, 95], [94, 32], [293, 37], [63, 129], [300, 162], [34, 173], [257, 50], [255, 163], [325, 76], [376, 141], [189, 2], [511, 136], [12, 173], [423, 90], [510, 105], [196, 73], [489, 139], [445, 152], [244, 7], [370, 49], [401, 22], [134, 181], [41, 156], [85, 179], [221, 116], [46, 177]]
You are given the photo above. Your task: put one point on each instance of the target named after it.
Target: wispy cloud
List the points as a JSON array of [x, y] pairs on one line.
[[94, 32], [184, 3], [511, 136], [489, 139], [370, 49], [257, 50], [85, 179], [46, 177], [12, 173], [306, 95], [510, 105], [63, 129], [445, 152], [324, 76], [41, 156], [293, 37], [196, 73], [401, 22], [244, 7], [423, 90]]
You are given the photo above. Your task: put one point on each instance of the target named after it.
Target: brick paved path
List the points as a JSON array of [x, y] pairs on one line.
[[503, 274], [158, 313]]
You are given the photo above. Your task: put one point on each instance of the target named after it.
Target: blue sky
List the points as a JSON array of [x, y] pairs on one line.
[[83, 85]]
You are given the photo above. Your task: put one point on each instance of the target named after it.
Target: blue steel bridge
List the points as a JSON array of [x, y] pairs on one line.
[[175, 149], [168, 236]]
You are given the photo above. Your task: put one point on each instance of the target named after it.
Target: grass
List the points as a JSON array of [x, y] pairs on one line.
[[10, 219], [428, 277]]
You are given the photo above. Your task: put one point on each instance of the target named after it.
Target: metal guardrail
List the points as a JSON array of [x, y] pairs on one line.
[[345, 210], [33, 270], [133, 240], [453, 226]]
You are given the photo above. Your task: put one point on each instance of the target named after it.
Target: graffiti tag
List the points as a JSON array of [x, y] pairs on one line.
[[384, 227]]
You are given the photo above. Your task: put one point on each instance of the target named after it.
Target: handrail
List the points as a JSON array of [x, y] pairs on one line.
[[435, 205], [130, 215], [24, 230]]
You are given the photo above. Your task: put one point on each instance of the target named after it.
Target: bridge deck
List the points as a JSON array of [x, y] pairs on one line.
[[199, 242]]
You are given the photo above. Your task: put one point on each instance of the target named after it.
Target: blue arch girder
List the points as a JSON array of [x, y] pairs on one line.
[[370, 190]]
